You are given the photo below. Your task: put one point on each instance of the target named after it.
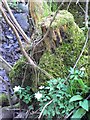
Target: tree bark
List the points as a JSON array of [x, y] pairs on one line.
[[35, 10]]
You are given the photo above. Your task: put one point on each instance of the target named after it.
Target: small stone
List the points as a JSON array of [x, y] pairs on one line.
[[9, 36]]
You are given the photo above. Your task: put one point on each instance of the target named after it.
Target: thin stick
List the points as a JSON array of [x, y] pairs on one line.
[[81, 7], [77, 2], [5, 62], [69, 4], [5, 65], [86, 24], [44, 108], [24, 77]]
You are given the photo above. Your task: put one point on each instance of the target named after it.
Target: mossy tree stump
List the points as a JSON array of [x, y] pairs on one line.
[[63, 46]]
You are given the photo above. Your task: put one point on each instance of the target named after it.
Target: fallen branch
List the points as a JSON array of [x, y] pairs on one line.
[[5, 65], [44, 108]]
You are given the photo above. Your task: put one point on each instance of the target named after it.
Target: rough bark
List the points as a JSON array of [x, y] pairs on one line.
[[35, 10]]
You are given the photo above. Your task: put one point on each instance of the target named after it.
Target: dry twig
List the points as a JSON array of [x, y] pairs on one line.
[[44, 108], [5, 65]]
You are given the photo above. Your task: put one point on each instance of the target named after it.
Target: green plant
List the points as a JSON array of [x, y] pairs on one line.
[[13, 4], [55, 91], [66, 97], [49, 7], [77, 79], [25, 94], [83, 106]]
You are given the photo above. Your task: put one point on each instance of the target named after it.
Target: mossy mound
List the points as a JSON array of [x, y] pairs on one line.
[[21, 71], [62, 18], [65, 55], [3, 99], [17, 71]]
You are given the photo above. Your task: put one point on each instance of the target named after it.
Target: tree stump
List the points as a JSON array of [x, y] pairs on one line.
[[65, 40]]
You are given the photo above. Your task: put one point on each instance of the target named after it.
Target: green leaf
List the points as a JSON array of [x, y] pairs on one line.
[[75, 98], [84, 104], [29, 98], [72, 76], [28, 88], [26, 101], [48, 98], [21, 96], [79, 113], [71, 70], [30, 107], [80, 81], [76, 71]]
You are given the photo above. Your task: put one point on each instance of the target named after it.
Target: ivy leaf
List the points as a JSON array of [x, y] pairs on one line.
[[71, 70], [28, 88], [21, 96], [75, 98], [30, 107], [72, 76], [79, 113], [84, 104], [80, 81], [26, 101]]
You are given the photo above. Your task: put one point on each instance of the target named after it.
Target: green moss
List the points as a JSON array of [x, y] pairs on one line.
[[17, 71], [3, 99], [63, 18], [17, 74], [66, 54]]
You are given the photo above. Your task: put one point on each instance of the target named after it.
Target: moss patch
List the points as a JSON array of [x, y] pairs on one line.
[[3, 99], [21, 71], [63, 17], [65, 55]]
